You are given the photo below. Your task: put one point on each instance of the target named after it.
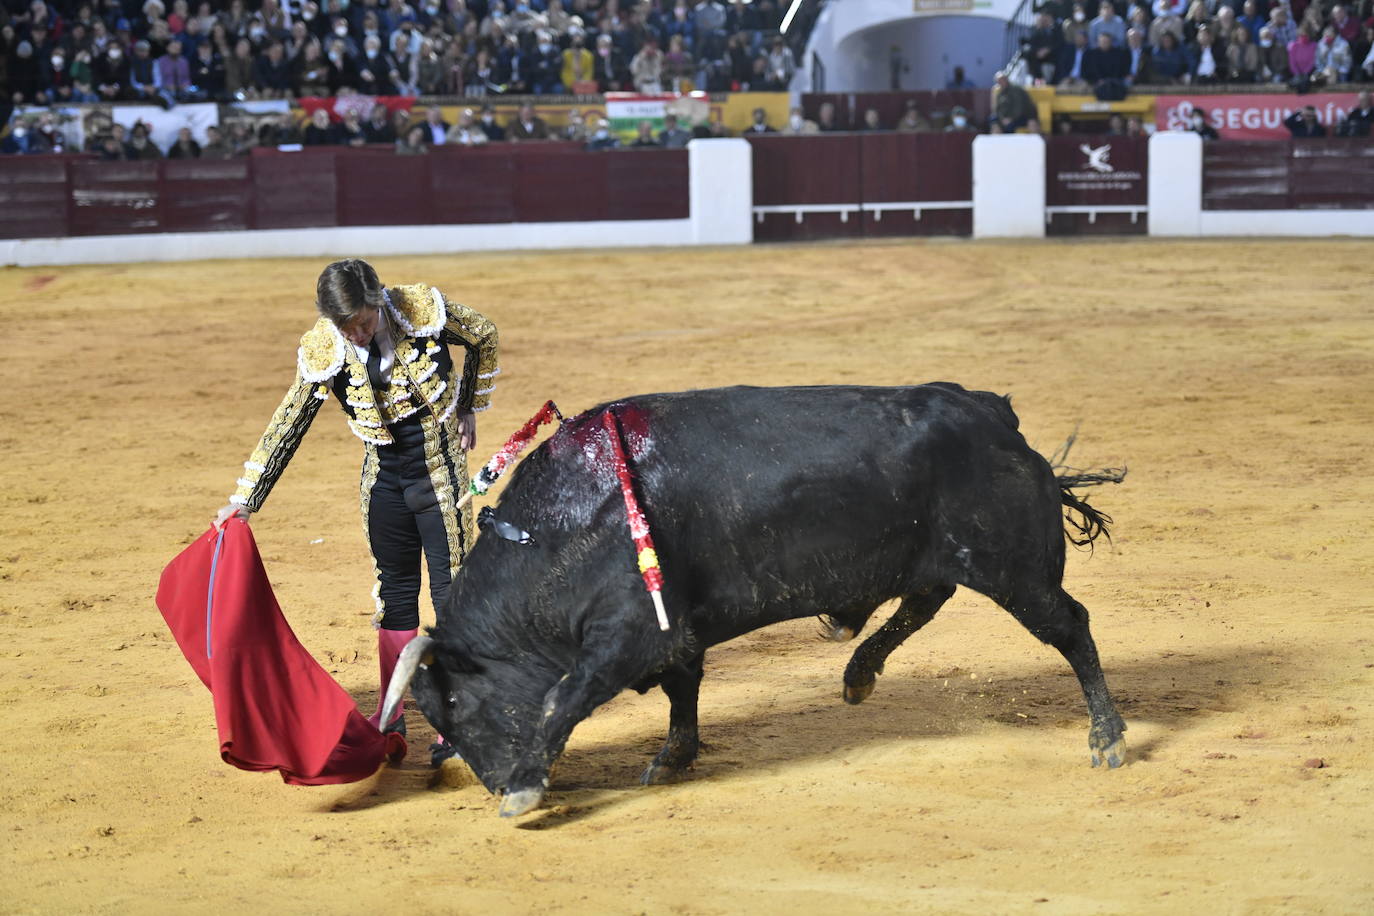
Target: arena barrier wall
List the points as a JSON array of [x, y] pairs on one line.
[[842, 185], [290, 204], [1174, 185]]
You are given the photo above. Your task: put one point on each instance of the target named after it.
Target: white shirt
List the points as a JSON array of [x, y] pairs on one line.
[[383, 339]]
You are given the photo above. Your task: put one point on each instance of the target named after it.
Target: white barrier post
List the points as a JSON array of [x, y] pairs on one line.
[[1009, 186], [1175, 193], [721, 191]]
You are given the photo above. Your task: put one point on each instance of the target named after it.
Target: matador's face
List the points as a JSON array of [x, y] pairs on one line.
[[359, 329]]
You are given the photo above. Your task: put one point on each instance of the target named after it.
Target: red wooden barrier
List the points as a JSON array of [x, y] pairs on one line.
[[1099, 177], [1309, 174], [34, 200]]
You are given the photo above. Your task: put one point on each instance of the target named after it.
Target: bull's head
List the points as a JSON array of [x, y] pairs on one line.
[[460, 699]]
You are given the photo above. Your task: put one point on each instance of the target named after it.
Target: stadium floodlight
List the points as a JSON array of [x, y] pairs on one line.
[[791, 13]]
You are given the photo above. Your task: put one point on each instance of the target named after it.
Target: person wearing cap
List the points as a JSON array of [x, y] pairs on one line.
[[1011, 105], [142, 78], [411, 371], [958, 120]]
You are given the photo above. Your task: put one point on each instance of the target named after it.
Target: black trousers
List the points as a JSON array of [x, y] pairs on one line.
[[405, 520]]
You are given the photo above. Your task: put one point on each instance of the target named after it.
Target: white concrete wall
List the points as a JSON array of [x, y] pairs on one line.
[[1008, 186], [720, 191], [1311, 223], [1175, 183]]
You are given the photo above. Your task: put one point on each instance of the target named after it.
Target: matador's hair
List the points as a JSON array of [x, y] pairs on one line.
[[345, 288]]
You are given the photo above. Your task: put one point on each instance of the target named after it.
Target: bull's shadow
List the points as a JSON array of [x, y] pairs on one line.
[[811, 722]]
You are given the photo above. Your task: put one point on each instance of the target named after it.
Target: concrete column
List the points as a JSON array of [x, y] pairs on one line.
[[1008, 186], [721, 191], [1175, 194]]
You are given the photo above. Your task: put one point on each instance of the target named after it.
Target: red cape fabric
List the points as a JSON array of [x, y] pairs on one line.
[[276, 708]]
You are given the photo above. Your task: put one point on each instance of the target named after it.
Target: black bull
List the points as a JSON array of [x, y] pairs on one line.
[[766, 504]]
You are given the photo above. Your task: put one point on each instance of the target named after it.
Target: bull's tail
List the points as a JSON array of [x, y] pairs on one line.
[[1084, 524]]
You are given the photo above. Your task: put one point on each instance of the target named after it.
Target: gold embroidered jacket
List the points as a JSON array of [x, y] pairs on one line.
[[424, 377]]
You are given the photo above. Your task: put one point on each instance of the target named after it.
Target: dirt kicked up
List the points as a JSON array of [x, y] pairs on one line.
[[1233, 610]]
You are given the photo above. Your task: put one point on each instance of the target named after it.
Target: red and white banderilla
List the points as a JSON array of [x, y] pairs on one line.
[[639, 527]]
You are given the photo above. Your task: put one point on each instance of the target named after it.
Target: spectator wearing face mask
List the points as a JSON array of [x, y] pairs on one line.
[[798, 125], [1198, 125], [602, 138], [1273, 58], [958, 121], [1302, 56], [545, 67], [487, 122], [19, 141], [375, 69], [1332, 61]]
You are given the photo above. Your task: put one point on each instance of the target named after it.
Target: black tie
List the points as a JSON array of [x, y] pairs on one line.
[[374, 365]]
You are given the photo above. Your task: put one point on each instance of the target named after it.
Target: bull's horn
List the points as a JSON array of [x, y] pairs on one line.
[[412, 656]]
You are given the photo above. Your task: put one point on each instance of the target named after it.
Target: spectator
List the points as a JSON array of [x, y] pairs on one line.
[[414, 142], [1243, 62], [1251, 19], [959, 81], [436, 128], [1169, 61], [1273, 58], [142, 78], [713, 129], [578, 67], [1116, 125], [1139, 69], [238, 71], [738, 63], [959, 120], [1043, 48], [480, 75], [1109, 23], [546, 67], [207, 74], [320, 132], [284, 130], [575, 130], [1206, 64], [431, 71], [1304, 123], [912, 121], [678, 67], [526, 125], [1172, 23], [797, 125], [759, 124], [602, 138], [140, 146], [342, 74], [646, 69], [645, 136], [272, 73], [1285, 31], [487, 122], [185, 146], [609, 64], [377, 128], [1011, 105], [111, 150], [216, 147], [825, 118], [19, 142], [350, 132], [1106, 67], [871, 121], [672, 136], [1345, 25], [467, 133], [1361, 53], [1198, 125], [242, 138], [1361, 118], [781, 65], [1076, 23], [1302, 57], [709, 20], [376, 72], [1071, 77], [1332, 60], [1135, 127], [172, 74], [310, 76]]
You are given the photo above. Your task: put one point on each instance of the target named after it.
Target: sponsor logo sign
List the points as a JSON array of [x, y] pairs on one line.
[[1249, 117], [1095, 170]]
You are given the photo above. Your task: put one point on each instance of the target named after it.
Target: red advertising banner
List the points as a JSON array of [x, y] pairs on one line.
[[1250, 117]]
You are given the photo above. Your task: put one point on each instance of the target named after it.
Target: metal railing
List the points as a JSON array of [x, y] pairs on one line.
[[1017, 31]]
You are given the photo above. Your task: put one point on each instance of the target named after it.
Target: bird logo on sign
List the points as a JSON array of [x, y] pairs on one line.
[[1097, 157]]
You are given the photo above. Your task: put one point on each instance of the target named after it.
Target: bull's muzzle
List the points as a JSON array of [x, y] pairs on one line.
[[416, 653]]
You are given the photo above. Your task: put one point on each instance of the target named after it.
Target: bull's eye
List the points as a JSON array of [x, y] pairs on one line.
[[452, 700]]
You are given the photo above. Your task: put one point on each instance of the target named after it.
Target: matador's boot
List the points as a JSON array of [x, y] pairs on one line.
[[389, 646]]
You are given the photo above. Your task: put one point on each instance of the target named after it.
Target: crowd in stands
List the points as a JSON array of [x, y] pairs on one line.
[[1106, 48], [169, 51]]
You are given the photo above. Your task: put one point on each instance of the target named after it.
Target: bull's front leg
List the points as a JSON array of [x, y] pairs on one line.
[[592, 681], [682, 684]]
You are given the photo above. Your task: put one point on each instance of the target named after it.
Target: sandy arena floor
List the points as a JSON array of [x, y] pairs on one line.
[[1233, 612]]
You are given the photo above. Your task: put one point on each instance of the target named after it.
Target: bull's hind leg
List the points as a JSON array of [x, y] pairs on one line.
[[866, 664], [682, 685], [1054, 617]]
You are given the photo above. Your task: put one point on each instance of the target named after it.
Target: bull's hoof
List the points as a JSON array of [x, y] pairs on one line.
[[1113, 755], [856, 694], [657, 774], [840, 633], [514, 804]]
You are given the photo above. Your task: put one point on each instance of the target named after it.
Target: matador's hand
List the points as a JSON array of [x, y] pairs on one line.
[[467, 430], [228, 512]]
